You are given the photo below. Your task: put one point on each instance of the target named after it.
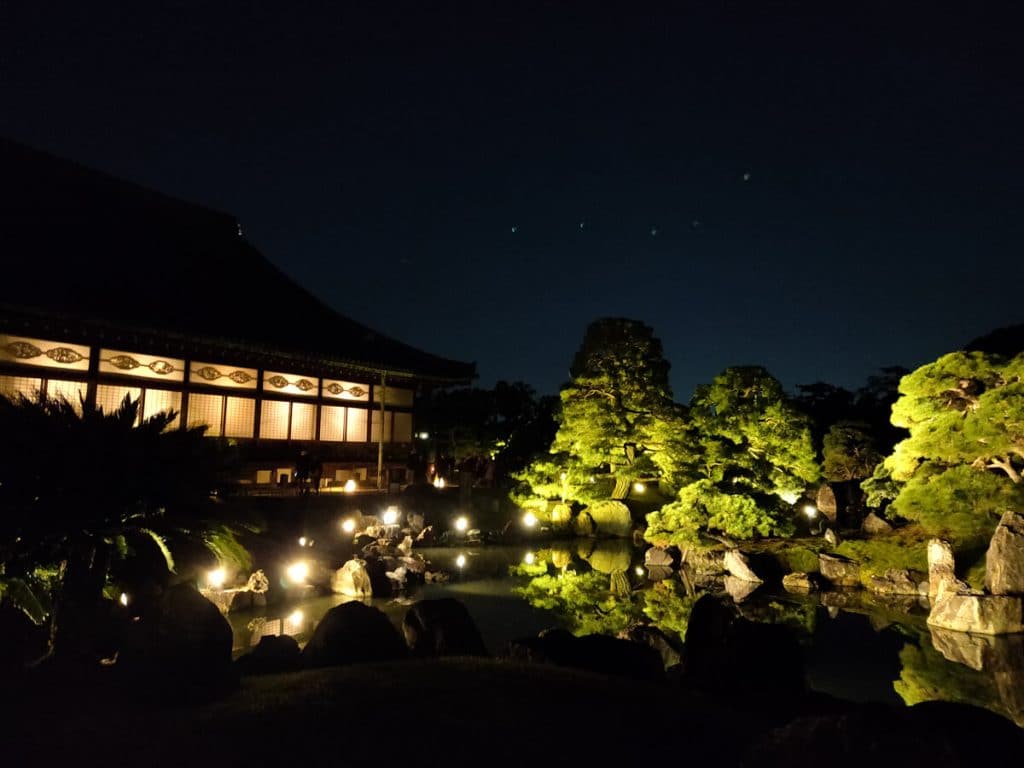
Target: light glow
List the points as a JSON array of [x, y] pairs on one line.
[[350, 486], [639, 571], [123, 599], [296, 617], [298, 572], [461, 524], [216, 578], [348, 525], [390, 516], [439, 482], [303, 541], [460, 561], [811, 511], [529, 558], [529, 520], [639, 487]]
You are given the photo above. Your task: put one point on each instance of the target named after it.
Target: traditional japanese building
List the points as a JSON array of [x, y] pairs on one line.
[[109, 289]]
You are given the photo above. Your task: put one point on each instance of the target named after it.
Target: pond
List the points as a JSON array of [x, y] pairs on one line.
[[855, 646]]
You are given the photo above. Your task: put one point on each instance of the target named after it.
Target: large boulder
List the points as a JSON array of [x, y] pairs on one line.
[[826, 502], [611, 518], [1004, 563], [799, 582], [594, 653], [897, 581], [942, 578], [273, 654], [838, 570], [352, 633], [656, 557], [873, 525], [983, 614], [442, 628], [182, 635], [736, 565], [352, 580]]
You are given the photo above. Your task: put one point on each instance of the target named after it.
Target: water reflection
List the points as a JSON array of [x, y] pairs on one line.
[[855, 645]]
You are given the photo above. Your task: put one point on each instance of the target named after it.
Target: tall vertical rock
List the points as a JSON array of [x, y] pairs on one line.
[[1004, 563]]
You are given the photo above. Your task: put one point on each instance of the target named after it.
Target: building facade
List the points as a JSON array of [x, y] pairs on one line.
[[113, 290]]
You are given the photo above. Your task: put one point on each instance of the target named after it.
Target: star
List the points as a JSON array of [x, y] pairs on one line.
[[581, 224], [746, 176], [654, 231], [514, 230]]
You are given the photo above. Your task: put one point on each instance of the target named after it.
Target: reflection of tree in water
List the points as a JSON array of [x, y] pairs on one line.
[[979, 670], [583, 601]]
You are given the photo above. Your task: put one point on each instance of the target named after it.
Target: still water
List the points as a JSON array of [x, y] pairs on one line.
[[855, 646]]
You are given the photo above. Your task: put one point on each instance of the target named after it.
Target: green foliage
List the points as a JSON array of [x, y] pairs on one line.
[[798, 559], [960, 468], [668, 607], [24, 596], [583, 601], [849, 452], [959, 503], [81, 488], [904, 549], [609, 414], [749, 449], [925, 675]]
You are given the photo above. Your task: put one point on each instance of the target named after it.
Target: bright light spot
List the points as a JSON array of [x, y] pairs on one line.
[[529, 558], [564, 475], [124, 599], [788, 496], [439, 482], [424, 435], [639, 487], [811, 511], [296, 617], [303, 541], [461, 524], [639, 571], [298, 572], [216, 578], [348, 526], [593, 479], [390, 516], [460, 561], [350, 486], [529, 519]]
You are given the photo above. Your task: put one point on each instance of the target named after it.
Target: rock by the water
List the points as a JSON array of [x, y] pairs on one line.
[[352, 633], [611, 518], [442, 628], [183, 634], [273, 654], [436, 577], [1004, 562], [352, 580], [831, 538], [659, 573], [799, 582], [983, 614], [735, 563], [657, 557], [873, 525], [595, 653], [839, 570], [583, 524], [705, 561], [740, 589], [426, 537], [942, 578], [896, 581]]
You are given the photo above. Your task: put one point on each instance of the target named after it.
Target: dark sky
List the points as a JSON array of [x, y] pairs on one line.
[[821, 188]]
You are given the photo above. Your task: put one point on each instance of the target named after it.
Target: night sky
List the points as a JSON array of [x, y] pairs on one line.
[[820, 188]]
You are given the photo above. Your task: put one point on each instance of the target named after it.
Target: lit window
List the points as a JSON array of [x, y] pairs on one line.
[[355, 432], [274, 420], [161, 400], [72, 391], [12, 386], [332, 422], [303, 421], [240, 417], [109, 397], [206, 409]]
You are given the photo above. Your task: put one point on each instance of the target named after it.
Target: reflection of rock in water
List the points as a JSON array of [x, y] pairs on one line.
[[607, 556], [1001, 659], [740, 589]]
